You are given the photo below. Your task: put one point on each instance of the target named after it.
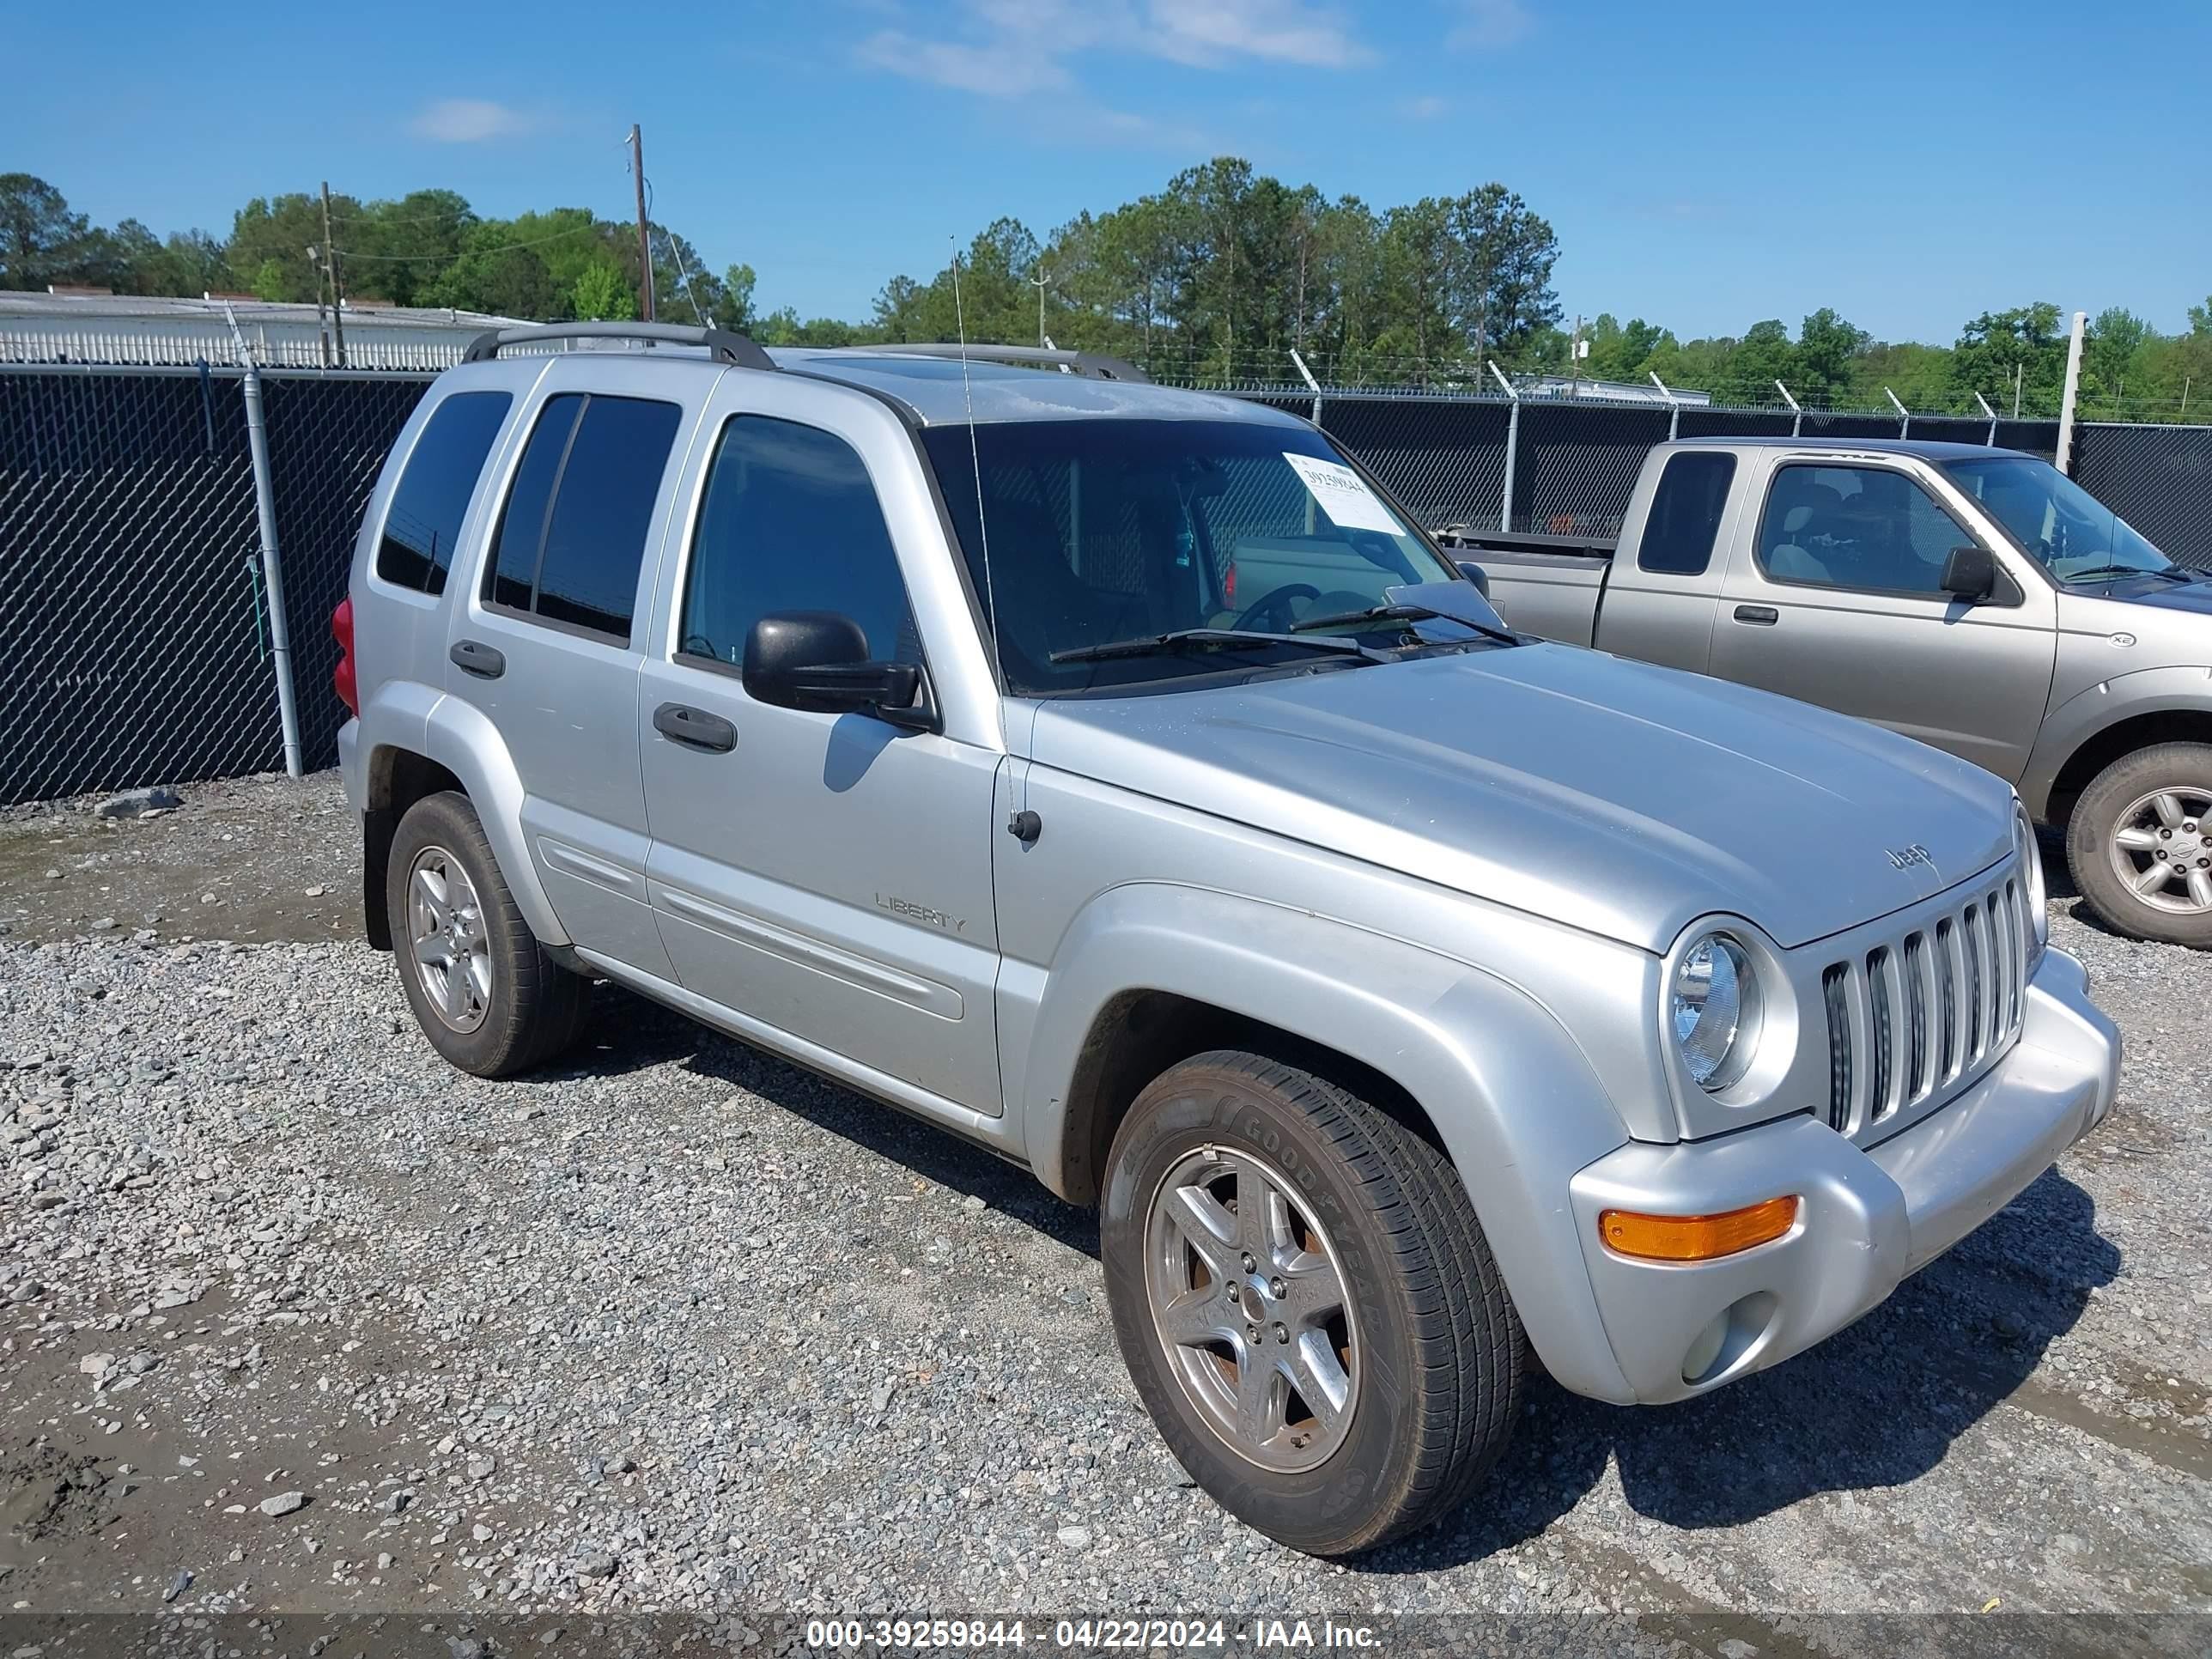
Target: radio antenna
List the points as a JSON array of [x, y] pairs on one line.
[[976, 460]]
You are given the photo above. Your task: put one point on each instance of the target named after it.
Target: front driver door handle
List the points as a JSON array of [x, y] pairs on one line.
[[694, 728], [1759, 615], [474, 657]]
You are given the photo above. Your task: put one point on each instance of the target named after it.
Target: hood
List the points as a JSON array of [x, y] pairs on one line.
[[2195, 598], [1610, 795]]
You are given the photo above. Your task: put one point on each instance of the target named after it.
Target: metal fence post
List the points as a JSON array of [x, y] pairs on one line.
[[1312, 384], [2065, 456], [272, 570], [1904, 415], [1992, 413], [1797, 415], [1512, 451], [1673, 407]]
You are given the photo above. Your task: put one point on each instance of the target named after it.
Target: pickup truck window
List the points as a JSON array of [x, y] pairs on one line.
[[791, 522], [571, 537], [2055, 522], [1868, 528], [424, 519], [1106, 529], [1685, 514]]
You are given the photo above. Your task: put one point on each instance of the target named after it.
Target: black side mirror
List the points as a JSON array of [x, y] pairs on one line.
[[817, 660], [1970, 573], [1475, 573]]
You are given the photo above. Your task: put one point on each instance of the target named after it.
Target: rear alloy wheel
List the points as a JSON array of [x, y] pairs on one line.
[[484, 991], [2141, 844], [1306, 1303]]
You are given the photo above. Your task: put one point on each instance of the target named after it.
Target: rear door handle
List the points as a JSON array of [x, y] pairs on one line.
[[695, 727], [474, 657], [1759, 615]]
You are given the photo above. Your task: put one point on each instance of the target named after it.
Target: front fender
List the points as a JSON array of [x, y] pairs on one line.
[[2105, 704], [1517, 1105], [458, 735]]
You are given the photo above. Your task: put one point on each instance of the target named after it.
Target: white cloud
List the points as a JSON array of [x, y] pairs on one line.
[[1425, 108], [1492, 24], [1019, 48], [467, 121]]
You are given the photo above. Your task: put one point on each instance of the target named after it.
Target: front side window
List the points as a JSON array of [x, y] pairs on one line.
[[1865, 527], [2055, 522], [1106, 531], [571, 540], [1685, 514], [415, 550], [790, 522]]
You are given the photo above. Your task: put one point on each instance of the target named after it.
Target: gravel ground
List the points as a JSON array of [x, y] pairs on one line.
[[293, 1310]]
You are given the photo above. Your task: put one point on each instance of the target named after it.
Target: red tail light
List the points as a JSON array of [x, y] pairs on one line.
[[342, 677], [1229, 585]]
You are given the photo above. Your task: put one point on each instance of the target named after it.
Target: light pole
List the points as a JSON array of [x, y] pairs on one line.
[[1039, 282]]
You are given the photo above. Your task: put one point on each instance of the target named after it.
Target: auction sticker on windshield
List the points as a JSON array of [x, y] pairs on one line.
[[1344, 495]]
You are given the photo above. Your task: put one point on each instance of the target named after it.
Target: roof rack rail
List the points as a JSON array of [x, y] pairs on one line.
[[721, 344], [1093, 365]]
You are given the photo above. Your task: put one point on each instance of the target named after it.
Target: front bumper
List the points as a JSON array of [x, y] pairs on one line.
[[1867, 1218]]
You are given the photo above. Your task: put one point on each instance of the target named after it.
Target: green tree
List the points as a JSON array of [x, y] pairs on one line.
[[40, 240], [1826, 346], [1999, 345], [600, 295]]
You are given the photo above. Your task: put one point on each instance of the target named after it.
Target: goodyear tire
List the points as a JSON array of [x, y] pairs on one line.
[[1306, 1303]]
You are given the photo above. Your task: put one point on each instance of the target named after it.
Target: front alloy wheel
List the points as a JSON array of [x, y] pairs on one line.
[[2161, 847], [1251, 1308], [2140, 843]]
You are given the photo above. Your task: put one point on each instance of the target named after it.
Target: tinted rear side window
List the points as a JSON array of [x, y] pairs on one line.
[[424, 519], [1685, 514], [571, 537]]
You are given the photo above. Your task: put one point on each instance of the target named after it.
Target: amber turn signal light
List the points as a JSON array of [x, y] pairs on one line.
[[1696, 1238]]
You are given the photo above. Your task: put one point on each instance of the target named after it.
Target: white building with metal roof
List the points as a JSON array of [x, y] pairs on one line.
[[88, 327]]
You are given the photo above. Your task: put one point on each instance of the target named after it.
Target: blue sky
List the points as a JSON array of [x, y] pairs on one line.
[[1704, 164]]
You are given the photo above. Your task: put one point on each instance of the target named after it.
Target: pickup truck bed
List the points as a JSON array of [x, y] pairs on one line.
[[1553, 586]]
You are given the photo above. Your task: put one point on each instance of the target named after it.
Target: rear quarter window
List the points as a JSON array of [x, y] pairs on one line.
[[416, 547], [1684, 519]]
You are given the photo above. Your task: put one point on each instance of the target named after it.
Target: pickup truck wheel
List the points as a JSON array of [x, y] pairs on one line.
[[2140, 844], [481, 987], [1306, 1303]]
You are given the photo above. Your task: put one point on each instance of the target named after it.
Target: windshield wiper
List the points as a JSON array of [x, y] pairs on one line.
[[1191, 640], [1403, 613], [2173, 572]]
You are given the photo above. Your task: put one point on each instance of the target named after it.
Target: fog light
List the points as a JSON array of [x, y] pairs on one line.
[[1699, 1356], [1696, 1238]]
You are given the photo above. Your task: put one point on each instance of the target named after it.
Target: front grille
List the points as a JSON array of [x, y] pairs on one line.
[[1925, 1013]]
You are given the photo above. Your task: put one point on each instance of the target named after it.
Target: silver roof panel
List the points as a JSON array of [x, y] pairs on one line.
[[931, 388]]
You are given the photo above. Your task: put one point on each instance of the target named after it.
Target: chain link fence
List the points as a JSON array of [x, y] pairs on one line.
[[134, 624], [2159, 478]]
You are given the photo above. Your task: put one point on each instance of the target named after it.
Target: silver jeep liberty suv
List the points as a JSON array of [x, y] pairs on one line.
[[1115, 777]]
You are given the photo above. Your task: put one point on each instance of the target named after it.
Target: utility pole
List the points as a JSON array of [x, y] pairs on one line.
[[2019, 370], [331, 264], [322, 315], [1575, 360], [644, 244], [1038, 283]]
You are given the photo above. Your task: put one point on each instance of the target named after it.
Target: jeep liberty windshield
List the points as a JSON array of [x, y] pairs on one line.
[[1126, 552]]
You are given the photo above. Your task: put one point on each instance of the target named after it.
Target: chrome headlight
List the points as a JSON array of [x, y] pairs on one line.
[[1714, 1011], [2031, 871]]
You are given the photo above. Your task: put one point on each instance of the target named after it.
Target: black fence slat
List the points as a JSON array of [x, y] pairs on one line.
[[2159, 478]]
